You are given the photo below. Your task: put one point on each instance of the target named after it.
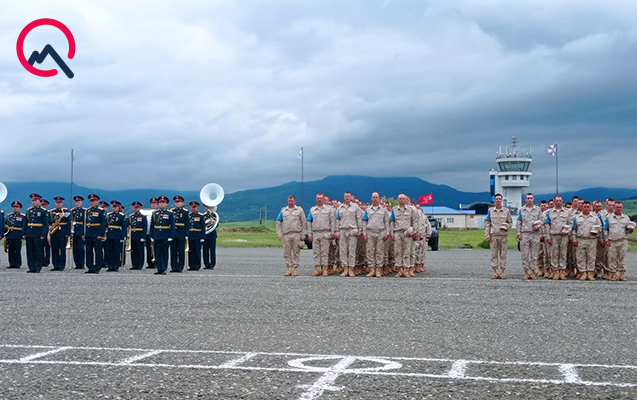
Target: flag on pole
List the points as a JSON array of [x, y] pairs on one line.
[[552, 149], [301, 154], [426, 199]]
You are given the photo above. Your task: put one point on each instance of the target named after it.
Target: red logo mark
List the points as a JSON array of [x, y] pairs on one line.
[[28, 65]]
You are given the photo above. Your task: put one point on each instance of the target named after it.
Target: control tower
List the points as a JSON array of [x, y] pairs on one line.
[[512, 177]]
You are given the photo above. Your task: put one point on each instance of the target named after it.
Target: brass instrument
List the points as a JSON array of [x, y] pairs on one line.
[[69, 242], [187, 245], [211, 195], [129, 248], [55, 226]]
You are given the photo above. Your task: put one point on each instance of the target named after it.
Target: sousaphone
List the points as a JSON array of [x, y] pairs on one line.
[[211, 195]]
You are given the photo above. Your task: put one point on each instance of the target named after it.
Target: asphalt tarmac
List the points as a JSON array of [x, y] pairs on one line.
[[244, 331]]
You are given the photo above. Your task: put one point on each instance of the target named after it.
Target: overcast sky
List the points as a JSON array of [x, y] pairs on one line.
[[176, 94]]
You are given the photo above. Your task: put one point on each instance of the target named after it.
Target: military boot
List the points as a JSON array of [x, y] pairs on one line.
[[410, 273], [401, 273], [325, 270], [562, 275], [533, 277], [372, 273], [317, 271], [526, 275], [379, 274], [556, 275], [613, 276], [296, 271], [502, 276], [583, 276], [345, 271], [495, 273], [352, 272], [622, 276], [288, 272], [591, 275], [540, 272]]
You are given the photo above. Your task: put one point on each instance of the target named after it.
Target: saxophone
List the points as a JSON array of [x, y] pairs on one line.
[[109, 221], [55, 226]]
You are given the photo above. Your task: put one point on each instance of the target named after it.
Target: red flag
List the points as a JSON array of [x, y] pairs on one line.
[[426, 199]]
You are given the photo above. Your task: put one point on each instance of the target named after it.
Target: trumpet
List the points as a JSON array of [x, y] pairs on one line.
[[129, 247], [187, 246]]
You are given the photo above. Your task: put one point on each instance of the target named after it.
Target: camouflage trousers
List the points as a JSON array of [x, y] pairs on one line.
[[586, 251], [617, 255], [530, 251], [499, 248]]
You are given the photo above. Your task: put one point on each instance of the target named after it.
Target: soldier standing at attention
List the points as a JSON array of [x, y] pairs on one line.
[[60, 215], [162, 231], [616, 229], [375, 234], [150, 257], [46, 254], [95, 229], [543, 269], [35, 234], [78, 216], [178, 245], [104, 207], [115, 237], [210, 242], [496, 229], [137, 223], [321, 228], [586, 230], [16, 223], [349, 217], [559, 224], [196, 236], [290, 226], [402, 226], [530, 220]]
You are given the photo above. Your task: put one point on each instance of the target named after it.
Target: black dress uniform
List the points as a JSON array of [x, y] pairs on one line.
[[37, 228], [95, 229], [137, 223], [210, 246], [115, 237], [196, 233], [162, 231], [16, 224], [59, 238], [150, 256], [78, 217], [104, 207], [178, 245], [46, 257]]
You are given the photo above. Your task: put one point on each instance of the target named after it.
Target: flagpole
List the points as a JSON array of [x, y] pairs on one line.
[[72, 159], [557, 191], [302, 181]]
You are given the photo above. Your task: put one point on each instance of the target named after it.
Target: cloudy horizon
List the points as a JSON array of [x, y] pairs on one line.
[[178, 94]]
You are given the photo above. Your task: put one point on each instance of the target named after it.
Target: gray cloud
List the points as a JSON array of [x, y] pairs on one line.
[[175, 95]]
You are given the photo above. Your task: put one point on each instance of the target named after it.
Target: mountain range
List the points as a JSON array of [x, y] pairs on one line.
[[246, 204]]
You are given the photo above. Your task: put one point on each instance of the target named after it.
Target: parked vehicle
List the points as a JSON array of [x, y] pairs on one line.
[[433, 239]]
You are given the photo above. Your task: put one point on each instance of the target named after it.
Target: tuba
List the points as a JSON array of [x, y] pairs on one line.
[[211, 195]]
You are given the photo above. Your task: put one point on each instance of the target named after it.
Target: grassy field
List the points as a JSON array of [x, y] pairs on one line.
[[252, 234]]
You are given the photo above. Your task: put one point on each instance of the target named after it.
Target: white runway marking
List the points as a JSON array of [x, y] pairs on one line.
[[329, 366]]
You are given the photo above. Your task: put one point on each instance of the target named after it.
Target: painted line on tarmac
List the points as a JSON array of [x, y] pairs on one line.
[[330, 367]]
